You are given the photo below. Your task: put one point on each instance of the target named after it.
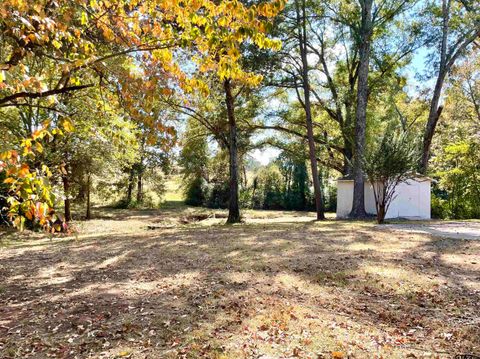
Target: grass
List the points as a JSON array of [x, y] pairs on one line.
[[278, 286], [173, 189]]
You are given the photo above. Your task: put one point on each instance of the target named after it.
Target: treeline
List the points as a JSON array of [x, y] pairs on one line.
[[283, 184]]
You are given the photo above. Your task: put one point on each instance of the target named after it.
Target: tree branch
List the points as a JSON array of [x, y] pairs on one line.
[[25, 94]]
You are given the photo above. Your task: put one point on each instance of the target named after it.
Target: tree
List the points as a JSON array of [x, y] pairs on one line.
[[365, 38], [333, 44], [388, 164], [194, 163], [233, 203], [458, 169], [238, 24], [80, 41], [293, 168], [229, 75], [452, 32], [302, 44], [456, 145], [28, 189]]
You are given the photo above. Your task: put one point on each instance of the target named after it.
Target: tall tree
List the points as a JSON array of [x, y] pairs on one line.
[[364, 37], [233, 204], [457, 28], [240, 24], [301, 17], [333, 61]]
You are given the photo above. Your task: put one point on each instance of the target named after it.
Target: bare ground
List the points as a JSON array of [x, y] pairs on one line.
[[279, 286], [446, 229]]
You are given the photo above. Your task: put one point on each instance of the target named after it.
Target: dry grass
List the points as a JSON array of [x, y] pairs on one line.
[[278, 286]]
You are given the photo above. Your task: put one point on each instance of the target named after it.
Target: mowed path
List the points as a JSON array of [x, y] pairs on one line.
[[280, 289]]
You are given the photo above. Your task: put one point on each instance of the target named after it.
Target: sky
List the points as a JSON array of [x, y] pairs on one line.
[[265, 155]]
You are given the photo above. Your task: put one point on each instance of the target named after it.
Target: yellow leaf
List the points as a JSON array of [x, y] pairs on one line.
[[68, 125], [39, 147], [56, 44], [84, 19]]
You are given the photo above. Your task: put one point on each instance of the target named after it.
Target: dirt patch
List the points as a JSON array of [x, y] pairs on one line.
[[457, 230]]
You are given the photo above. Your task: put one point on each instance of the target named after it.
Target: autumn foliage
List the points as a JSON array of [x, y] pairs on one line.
[[52, 50]]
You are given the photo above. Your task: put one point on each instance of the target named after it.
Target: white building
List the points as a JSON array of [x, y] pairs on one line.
[[412, 199]]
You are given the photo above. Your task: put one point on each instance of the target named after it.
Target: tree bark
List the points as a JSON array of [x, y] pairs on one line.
[[82, 192], [139, 189], [381, 214], [233, 205], [358, 205], [130, 186], [435, 110], [88, 214], [347, 159], [302, 42], [66, 190], [433, 117]]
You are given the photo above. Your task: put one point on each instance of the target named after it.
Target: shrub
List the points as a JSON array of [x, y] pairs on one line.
[[218, 195], [439, 207], [387, 165], [195, 193]]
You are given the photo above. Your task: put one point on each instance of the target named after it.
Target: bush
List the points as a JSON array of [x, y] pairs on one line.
[[195, 193], [218, 195], [388, 164], [439, 207]]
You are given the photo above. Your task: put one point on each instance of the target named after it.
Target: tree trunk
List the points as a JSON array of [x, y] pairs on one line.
[[245, 181], [82, 193], [139, 189], [381, 214], [66, 190], [233, 205], [130, 186], [88, 214], [448, 56], [347, 132], [347, 159], [358, 205], [302, 42], [435, 110], [433, 117]]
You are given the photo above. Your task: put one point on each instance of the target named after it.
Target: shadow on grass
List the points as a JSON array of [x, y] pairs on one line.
[[195, 290]]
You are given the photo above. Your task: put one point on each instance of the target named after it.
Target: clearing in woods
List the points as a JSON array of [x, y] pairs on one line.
[[167, 284]]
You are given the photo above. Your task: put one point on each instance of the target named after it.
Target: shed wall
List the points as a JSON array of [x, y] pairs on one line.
[[412, 199]]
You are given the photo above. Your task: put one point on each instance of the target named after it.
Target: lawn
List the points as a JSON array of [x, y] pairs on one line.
[[167, 284]]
